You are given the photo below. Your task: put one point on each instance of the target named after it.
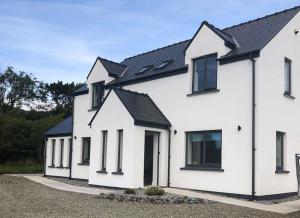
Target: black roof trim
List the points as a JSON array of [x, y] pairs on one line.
[[152, 125], [150, 77], [228, 41], [58, 135], [240, 57], [81, 90]]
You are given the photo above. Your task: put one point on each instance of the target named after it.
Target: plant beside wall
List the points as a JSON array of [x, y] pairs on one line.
[[154, 190]]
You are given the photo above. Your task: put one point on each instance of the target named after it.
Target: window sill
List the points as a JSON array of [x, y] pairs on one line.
[[282, 171], [117, 173], [102, 171], [203, 169], [203, 92], [51, 166], [288, 96], [66, 167], [93, 109], [84, 164], [60, 167]]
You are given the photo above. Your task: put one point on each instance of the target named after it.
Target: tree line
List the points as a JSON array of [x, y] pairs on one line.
[[28, 107]]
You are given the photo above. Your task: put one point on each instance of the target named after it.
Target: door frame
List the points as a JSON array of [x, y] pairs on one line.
[[158, 151], [297, 157]]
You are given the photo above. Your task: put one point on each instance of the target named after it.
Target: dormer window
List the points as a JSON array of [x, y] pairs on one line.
[[144, 69], [163, 64], [205, 73], [98, 93]]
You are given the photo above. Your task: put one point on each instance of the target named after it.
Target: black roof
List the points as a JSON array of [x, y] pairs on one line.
[[141, 107], [81, 90], [243, 39], [64, 128], [114, 69]]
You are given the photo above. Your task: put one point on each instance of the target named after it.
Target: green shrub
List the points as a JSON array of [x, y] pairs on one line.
[[154, 190], [129, 191]]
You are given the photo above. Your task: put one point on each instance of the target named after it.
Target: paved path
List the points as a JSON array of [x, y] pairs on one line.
[[66, 187], [283, 208]]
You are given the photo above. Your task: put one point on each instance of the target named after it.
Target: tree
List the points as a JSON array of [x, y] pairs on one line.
[[17, 89], [62, 95]]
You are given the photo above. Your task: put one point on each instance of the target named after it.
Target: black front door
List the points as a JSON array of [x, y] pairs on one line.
[[148, 160]]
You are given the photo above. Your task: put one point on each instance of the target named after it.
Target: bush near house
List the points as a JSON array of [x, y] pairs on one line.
[[20, 168], [129, 191], [154, 190]]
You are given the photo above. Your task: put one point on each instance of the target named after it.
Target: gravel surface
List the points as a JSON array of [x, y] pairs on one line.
[[20, 197]]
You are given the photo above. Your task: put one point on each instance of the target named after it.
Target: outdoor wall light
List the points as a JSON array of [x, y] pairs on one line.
[[296, 31], [175, 132], [75, 137], [239, 128]]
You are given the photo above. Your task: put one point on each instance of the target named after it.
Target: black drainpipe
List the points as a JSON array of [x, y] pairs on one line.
[[72, 140], [253, 126], [169, 156], [45, 151]]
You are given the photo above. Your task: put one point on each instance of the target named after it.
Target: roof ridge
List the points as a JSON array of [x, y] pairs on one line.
[[157, 49], [227, 34], [260, 18], [112, 61], [127, 90]]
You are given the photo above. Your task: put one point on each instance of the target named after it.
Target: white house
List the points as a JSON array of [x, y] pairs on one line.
[[218, 113]]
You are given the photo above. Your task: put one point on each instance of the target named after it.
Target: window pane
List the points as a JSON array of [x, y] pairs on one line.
[[98, 92], [120, 149], [104, 149], [279, 150], [211, 76], [61, 152], [199, 75], [53, 153], [287, 70], [86, 150], [204, 148]]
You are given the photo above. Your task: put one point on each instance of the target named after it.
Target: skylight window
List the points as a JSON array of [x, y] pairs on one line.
[[164, 64], [144, 69]]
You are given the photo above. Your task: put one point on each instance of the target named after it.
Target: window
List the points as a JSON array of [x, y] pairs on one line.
[[203, 149], [279, 150], [287, 76], [53, 153], [104, 149], [69, 152], [86, 144], [98, 93], [61, 160], [120, 150], [144, 69], [205, 73], [163, 64]]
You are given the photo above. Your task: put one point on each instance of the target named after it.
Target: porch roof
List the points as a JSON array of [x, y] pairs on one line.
[[64, 128]]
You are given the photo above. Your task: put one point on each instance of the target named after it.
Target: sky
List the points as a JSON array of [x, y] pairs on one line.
[[60, 39]]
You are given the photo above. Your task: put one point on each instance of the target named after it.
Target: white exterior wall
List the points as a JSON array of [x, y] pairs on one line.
[[278, 113], [82, 116], [57, 171], [223, 110], [113, 116]]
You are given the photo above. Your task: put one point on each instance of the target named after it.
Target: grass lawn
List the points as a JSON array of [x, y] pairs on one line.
[[21, 168]]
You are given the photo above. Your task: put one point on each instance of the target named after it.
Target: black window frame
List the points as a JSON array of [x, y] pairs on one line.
[[283, 135], [70, 141], [53, 152], [194, 68], [204, 165], [62, 142], [104, 150], [120, 150], [102, 90], [289, 91], [85, 162]]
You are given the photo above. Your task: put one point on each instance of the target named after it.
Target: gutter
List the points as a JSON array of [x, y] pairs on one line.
[[169, 156], [253, 107], [71, 146], [45, 151]]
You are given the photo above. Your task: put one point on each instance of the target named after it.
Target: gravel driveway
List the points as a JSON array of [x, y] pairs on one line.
[[20, 197]]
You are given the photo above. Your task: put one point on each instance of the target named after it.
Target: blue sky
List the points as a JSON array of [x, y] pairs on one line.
[[60, 39]]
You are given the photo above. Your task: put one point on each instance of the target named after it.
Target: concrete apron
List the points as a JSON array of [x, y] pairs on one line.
[[282, 208], [66, 187]]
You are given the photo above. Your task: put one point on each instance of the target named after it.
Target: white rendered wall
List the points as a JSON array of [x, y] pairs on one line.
[[113, 116], [57, 171], [82, 116], [224, 110], [278, 113]]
